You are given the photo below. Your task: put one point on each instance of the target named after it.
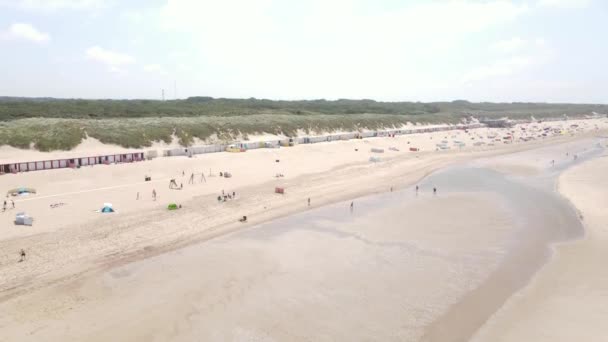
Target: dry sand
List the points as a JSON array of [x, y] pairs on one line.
[[70, 244], [568, 298]]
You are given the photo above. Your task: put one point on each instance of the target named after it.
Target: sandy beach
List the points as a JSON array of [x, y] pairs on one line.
[[292, 271], [566, 301]]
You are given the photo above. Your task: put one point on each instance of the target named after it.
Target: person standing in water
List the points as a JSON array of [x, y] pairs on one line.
[[309, 201], [352, 206], [416, 189], [434, 191]]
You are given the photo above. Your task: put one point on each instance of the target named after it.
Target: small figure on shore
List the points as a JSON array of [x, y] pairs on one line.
[[352, 206], [243, 219], [391, 189], [309, 201], [416, 189], [137, 198], [13, 204], [234, 194], [219, 199], [154, 194], [434, 191], [183, 173], [22, 254], [191, 180], [181, 186]]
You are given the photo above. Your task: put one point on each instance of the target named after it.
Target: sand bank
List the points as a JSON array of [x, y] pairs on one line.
[[567, 299]]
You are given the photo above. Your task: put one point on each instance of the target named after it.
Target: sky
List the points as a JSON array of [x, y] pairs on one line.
[[387, 50]]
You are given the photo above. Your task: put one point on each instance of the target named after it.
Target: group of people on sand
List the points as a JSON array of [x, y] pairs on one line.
[[434, 190], [4, 207], [226, 196], [574, 157]]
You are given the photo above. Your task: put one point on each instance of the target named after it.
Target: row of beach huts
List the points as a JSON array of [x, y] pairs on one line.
[[246, 145], [128, 157]]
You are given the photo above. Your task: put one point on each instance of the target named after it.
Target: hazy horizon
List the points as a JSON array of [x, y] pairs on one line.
[[500, 51], [294, 100]]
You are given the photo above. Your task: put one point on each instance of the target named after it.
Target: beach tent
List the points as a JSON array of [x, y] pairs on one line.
[[172, 206], [23, 219], [107, 208], [21, 191]]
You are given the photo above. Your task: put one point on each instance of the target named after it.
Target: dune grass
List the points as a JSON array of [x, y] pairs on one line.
[[56, 124], [46, 134]]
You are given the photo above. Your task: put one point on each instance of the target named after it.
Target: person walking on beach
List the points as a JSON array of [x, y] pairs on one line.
[[191, 180], [309, 201], [416, 189], [137, 198], [352, 206], [434, 191], [13, 204], [154, 194], [22, 254]]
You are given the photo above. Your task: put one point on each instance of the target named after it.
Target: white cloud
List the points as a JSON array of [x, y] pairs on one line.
[[352, 44], [505, 67], [154, 68], [511, 45], [567, 4], [23, 31], [52, 5], [113, 60]]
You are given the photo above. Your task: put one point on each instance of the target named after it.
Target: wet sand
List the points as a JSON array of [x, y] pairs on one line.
[[379, 273]]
